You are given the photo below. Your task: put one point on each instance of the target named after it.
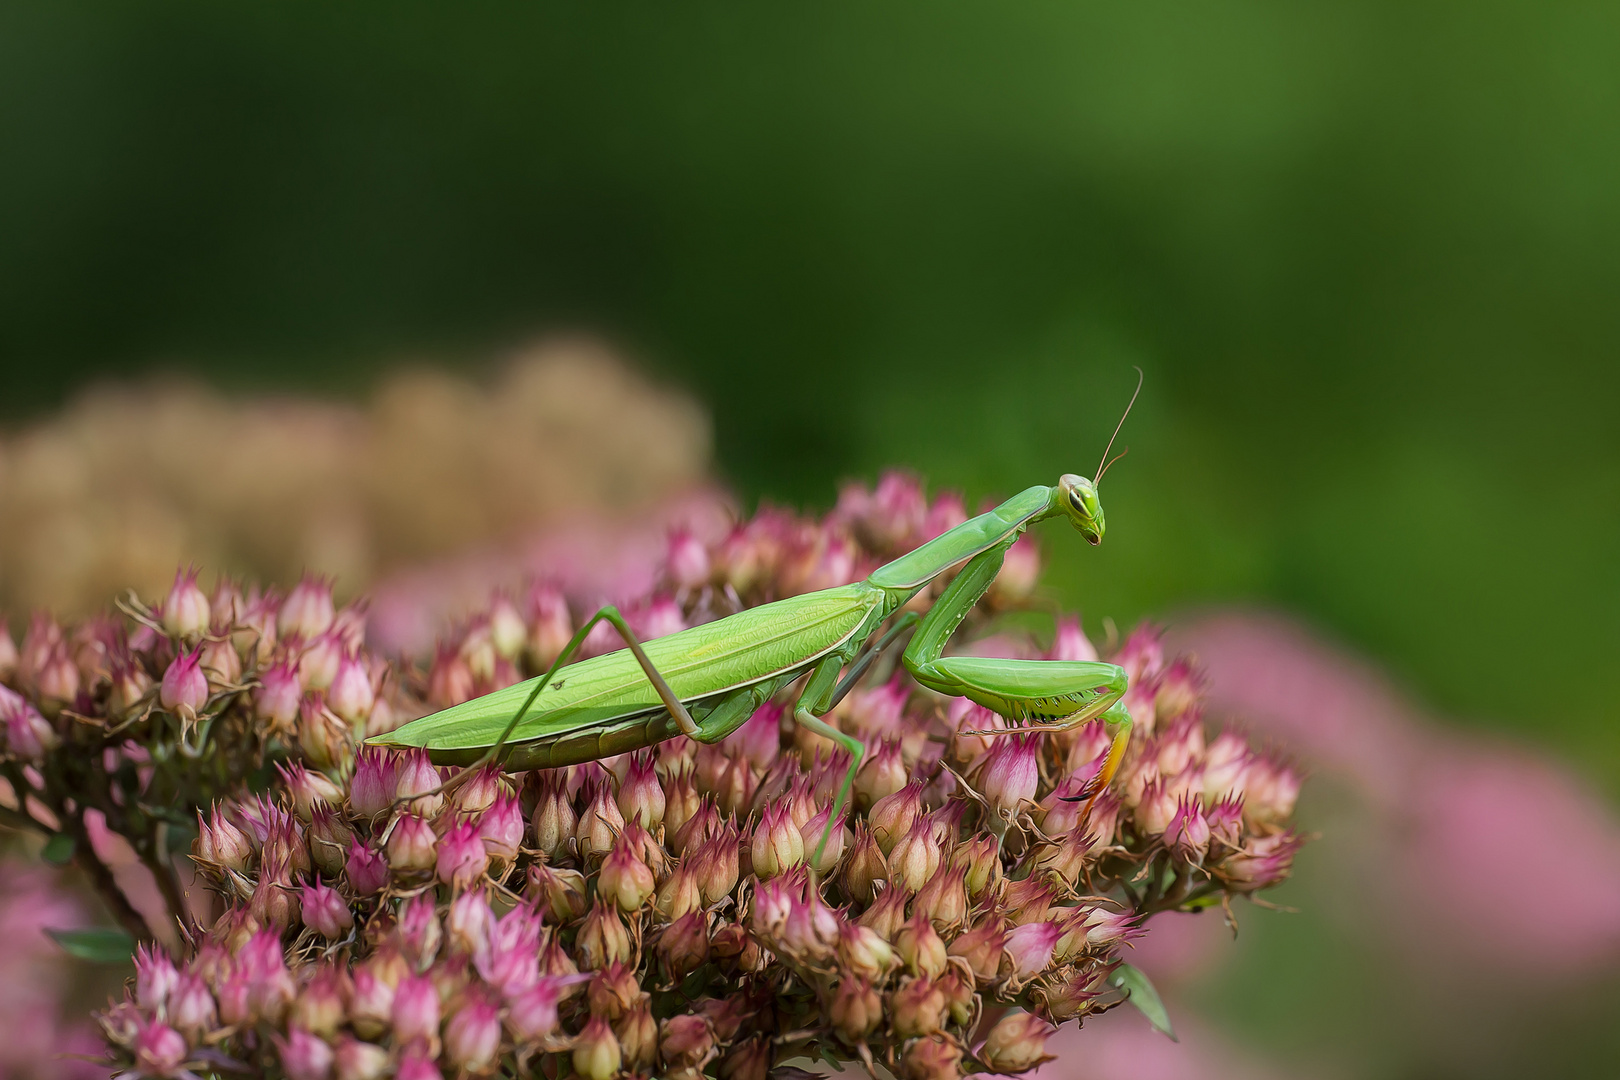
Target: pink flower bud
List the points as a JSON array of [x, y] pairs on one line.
[[191, 1006], [323, 1004], [279, 694], [887, 913], [450, 680], [1270, 789], [220, 664], [155, 977], [1264, 862], [687, 560], [307, 611], [747, 1060], [660, 617], [1156, 809], [184, 685], [625, 879], [356, 1060], [550, 626], [1070, 642], [411, 844], [1225, 763], [318, 663], [1029, 900], [462, 857], [325, 740], [684, 944], [686, 1041], [371, 791], [921, 948], [810, 930], [943, 901], [418, 932], [472, 1037], [982, 949], [130, 685], [916, 1007], [308, 789], [58, 678], [1030, 947], [1066, 998], [562, 890], [478, 794], [510, 961], [159, 1050], [1017, 1043], [915, 858], [1142, 655], [596, 1051], [891, 817], [810, 834], [468, 924], [759, 740], [641, 795], [222, 843], [1225, 821], [600, 822], [501, 827], [1104, 927], [603, 938], [1011, 773], [1188, 833], [506, 630], [415, 1012], [374, 983], [350, 695], [532, 1015], [416, 779], [777, 844], [881, 774], [864, 952], [856, 1009], [325, 911], [185, 612], [418, 1063], [305, 1056]]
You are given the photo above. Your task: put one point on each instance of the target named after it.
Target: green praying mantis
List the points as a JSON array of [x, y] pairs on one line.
[[706, 681]]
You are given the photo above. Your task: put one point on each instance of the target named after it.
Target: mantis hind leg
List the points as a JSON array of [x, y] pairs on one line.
[[611, 614]]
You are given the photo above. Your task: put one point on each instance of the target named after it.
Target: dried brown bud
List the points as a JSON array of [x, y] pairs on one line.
[[866, 866], [856, 1009], [915, 858], [638, 1036], [1017, 1043], [684, 944], [920, 947], [888, 913], [602, 937], [936, 1057], [916, 1007], [562, 891]]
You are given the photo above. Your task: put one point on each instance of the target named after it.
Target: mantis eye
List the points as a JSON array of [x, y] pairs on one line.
[[1074, 501]]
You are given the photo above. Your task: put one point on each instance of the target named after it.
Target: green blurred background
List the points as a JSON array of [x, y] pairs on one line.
[[1368, 256]]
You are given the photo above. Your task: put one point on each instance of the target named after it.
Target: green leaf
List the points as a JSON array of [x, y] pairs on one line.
[[1140, 990], [100, 945], [58, 849]]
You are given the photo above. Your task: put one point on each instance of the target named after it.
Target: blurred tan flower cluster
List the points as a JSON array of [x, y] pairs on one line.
[[130, 481]]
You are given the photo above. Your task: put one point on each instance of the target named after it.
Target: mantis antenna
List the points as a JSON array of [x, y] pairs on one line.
[[1102, 466]]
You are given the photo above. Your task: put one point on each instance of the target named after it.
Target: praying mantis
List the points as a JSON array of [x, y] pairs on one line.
[[706, 681]]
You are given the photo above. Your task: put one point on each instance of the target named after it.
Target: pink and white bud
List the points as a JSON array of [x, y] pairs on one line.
[[411, 845], [1030, 947], [597, 1055], [191, 1006], [221, 842], [506, 630], [325, 740], [641, 795], [625, 878], [416, 779], [1188, 833], [325, 911], [29, 736], [279, 694], [1104, 928], [554, 818], [601, 821], [777, 844], [982, 949], [308, 789], [510, 962], [1156, 809], [1179, 692], [1029, 900], [687, 560], [220, 664], [1070, 642], [882, 773], [602, 938], [1270, 789], [1017, 1043], [915, 858], [155, 977], [307, 611], [462, 857], [684, 944], [1265, 861], [532, 1015], [921, 948], [318, 663], [415, 1012], [418, 1062], [304, 1056], [472, 1036], [322, 1006], [185, 612], [944, 900], [356, 1060], [916, 1008], [159, 1050], [350, 695], [501, 827], [375, 781], [550, 626], [892, 816], [469, 922], [1010, 775], [365, 869], [185, 687], [1020, 572], [1225, 820], [680, 894]]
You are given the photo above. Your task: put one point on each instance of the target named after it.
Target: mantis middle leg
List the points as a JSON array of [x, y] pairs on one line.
[[1044, 695]]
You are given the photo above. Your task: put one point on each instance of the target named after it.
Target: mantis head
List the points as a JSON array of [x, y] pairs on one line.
[[1078, 499]]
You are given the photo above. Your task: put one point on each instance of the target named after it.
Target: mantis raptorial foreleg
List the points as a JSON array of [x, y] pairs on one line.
[[611, 614], [1056, 694]]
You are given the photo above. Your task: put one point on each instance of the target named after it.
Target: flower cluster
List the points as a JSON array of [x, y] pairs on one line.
[[682, 911]]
